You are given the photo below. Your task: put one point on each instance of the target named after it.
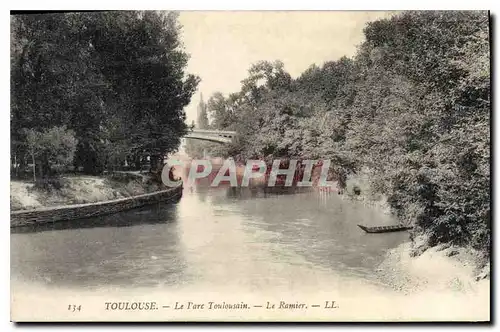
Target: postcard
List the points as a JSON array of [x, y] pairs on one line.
[[250, 166]]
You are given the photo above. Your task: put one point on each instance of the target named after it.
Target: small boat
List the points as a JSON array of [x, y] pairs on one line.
[[385, 229]]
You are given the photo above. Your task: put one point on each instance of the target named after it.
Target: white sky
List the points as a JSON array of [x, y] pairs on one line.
[[223, 45]]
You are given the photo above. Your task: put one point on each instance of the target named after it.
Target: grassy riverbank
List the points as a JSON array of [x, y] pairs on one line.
[[78, 189]]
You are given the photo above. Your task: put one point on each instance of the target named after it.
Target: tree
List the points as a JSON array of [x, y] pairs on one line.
[[222, 111], [412, 108], [420, 113], [116, 78], [143, 58], [53, 146]]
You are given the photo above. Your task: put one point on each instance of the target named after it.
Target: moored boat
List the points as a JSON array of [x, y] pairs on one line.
[[385, 229]]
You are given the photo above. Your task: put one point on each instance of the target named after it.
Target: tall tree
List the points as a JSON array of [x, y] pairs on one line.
[[117, 79], [411, 108]]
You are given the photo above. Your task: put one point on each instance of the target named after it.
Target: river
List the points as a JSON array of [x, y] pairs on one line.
[[253, 237], [228, 245]]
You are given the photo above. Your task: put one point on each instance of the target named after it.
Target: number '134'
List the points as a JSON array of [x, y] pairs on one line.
[[74, 307]]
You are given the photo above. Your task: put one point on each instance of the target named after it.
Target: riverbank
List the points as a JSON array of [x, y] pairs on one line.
[[440, 269], [294, 248], [415, 267], [79, 190]]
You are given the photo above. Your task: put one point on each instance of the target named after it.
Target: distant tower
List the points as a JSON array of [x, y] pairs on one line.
[[201, 116], [199, 110]]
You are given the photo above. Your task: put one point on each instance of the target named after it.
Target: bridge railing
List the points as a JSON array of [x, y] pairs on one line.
[[213, 132], [212, 138]]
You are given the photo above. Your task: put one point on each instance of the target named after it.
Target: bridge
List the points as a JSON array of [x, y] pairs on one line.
[[218, 136]]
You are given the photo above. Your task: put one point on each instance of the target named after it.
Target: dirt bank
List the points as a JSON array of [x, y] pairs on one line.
[[78, 189], [438, 269]]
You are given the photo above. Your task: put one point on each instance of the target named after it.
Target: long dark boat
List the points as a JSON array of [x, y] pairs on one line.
[[385, 229]]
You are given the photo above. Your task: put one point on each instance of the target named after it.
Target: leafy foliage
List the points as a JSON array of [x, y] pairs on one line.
[[117, 79], [412, 106], [54, 146]]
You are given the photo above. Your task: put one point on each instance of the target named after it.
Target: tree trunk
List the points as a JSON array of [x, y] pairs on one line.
[[16, 169], [137, 162], [22, 163], [34, 167], [156, 163], [44, 166]]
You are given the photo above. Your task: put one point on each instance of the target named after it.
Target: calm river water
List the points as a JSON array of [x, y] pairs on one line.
[[212, 237]]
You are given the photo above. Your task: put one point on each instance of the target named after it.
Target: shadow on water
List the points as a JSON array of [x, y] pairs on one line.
[[224, 192], [152, 214], [231, 194], [263, 191]]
